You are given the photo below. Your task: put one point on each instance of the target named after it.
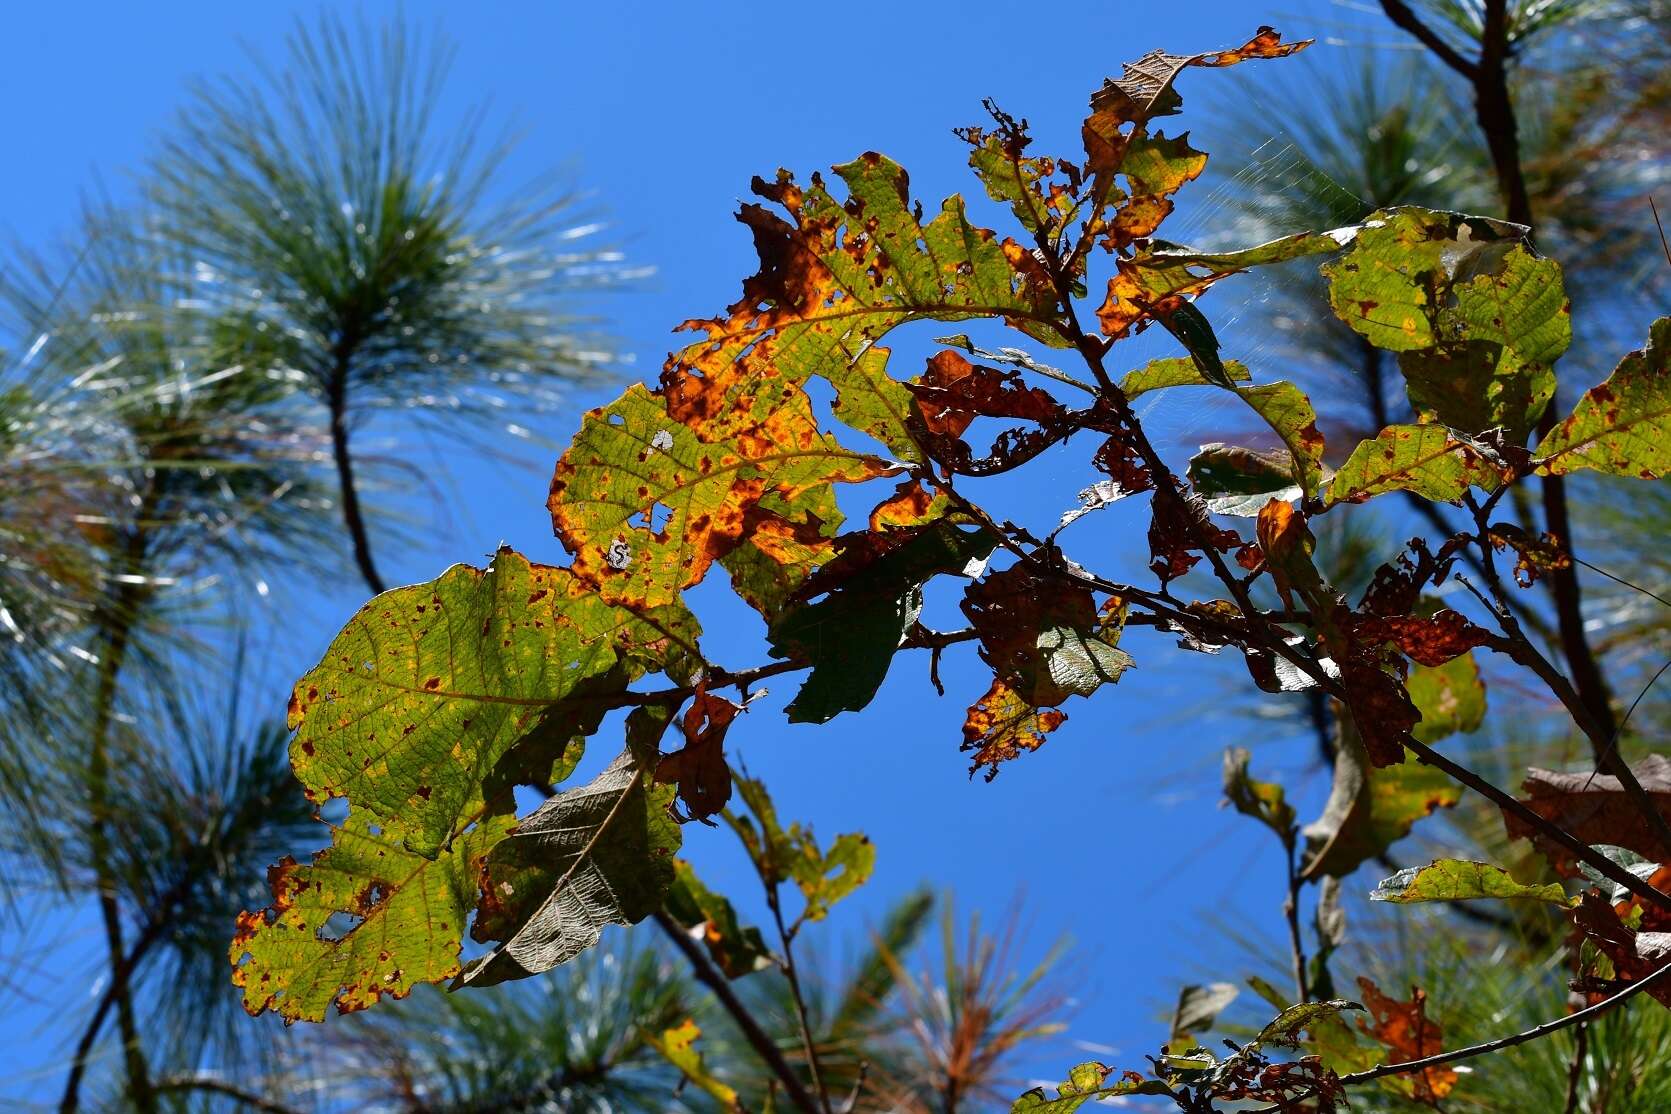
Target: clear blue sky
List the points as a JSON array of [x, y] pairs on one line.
[[1111, 833]]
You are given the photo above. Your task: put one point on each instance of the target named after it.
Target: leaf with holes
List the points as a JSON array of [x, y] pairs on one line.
[[366, 918], [1000, 725], [420, 706], [646, 506]]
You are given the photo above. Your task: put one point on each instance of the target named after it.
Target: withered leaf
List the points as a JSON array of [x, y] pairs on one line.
[[1408, 1034], [1430, 641], [1001, 725], [698, 768], [1042, 636], [1596, 809]]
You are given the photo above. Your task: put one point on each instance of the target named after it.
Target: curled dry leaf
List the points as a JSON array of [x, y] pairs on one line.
[[698, 768], [1595, 808]]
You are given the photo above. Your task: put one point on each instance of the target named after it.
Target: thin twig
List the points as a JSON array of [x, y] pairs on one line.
[[214, 1086], [1291, 910], [1662, 242], [1575, 1072], [1584, 1015], [762, 1044]]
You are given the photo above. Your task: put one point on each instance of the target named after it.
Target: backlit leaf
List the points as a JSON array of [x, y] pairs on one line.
[[1000, 725], [1623, 426], [1265, 801], [425, 693], [1408, 1034], [366, 918], [678, 1045], [835, 277], [1450, 698], [1368, 810], [645, 506], [1459, 880], [1424, 459], [1175, 371], [1084, 1083]]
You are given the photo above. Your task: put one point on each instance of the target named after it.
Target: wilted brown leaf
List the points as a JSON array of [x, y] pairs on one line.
[[1596, 809], [698, 768], [1407, 1032]]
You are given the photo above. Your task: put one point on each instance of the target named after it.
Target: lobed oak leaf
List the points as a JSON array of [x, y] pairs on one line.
[[1408, 1034], [1001, 725]]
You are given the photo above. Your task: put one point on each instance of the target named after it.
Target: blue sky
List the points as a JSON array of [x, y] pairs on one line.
[[662, 112]]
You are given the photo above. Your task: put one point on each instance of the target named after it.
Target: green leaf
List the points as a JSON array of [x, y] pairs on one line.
[[366, 918], [589, 857], [1369, 810], [1460, 880], [1623, 426], [1384, 286], [850, 635], [1239, 481], [1197, 1009], [1424, 459], [1477, 319], [827, 876], [1450, 698], [782, 854], [437, 694], [1176, 371], [1085, 1082], [1288, 412], [1265, 801], [646, 503], [735, 950]]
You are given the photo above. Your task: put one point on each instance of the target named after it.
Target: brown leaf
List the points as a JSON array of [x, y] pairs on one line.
[[1178, 520], [954, 392], [1635, 955], [1535, 555], [1428, 641], [1595, 809], [1001, 725], [1405, 1029], [1382, 710], [699, 768]]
